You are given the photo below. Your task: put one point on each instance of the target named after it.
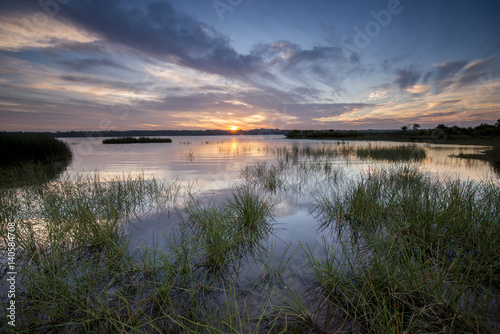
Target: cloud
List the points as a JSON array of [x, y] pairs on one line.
[[19, 33], [407, 78], [418, 89], [378, 95], [446, 73], [449, 68], [455, 74], [158, 29], [474, 71], [437, 104], [155, 29], [84, 64]]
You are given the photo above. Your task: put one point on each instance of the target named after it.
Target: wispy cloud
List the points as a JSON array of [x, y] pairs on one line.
[[174, 69], [407, 78]]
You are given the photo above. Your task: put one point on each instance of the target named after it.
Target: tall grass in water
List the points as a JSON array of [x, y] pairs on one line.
[[225, 232], [392, 153], [427, 257], [387, 153], [493, 156], [132, 140], [32, 148], [75, 270], [285, 174], [31, 158]]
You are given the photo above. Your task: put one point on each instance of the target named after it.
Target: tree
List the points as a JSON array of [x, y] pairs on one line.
[[404, 128], [293, 133], [416, 126], [497, 124]]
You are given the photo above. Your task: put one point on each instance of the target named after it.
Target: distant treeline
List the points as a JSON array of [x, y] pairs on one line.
[[152, 133], [441, 133]]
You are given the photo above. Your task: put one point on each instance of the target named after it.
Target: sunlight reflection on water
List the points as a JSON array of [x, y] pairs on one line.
[[216, 162]]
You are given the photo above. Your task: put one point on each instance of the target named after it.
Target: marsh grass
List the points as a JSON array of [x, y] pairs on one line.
[[296, 174], [399, 153], [76, 272], [427, 257], [133, 140], [492, 156], [27, 159], [419, 254], [226, 232], [32, 148], [270, 176], [410, 152]]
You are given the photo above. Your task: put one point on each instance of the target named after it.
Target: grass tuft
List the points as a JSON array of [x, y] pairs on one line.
[[422, 253]]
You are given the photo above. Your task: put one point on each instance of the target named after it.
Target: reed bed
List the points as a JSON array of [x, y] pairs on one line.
[[295, 175], [400, 153], [31, 158], [133, 140], [406, 253], [422, 255], [32, 148], [77, 272]]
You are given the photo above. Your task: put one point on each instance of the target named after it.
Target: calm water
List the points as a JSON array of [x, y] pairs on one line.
[[215, 164]]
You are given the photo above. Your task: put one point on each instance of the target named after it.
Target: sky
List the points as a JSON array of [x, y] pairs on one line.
[[221, 64]]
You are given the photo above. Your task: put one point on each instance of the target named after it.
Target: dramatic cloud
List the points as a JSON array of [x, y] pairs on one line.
[[176, 64]]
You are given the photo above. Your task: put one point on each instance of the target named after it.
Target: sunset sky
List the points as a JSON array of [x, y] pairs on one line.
[[204, 64]]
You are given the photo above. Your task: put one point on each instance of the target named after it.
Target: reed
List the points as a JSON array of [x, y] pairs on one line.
[[400, 153], [226, 232], [421, 254], [133, 140], [31, 159], [392, 153], [32, 148], [76, 272]]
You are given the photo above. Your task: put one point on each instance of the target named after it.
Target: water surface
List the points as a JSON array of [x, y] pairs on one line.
[[214, 164]]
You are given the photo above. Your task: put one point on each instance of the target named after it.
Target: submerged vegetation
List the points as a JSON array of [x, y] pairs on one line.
[[132, 140], [401, 251]]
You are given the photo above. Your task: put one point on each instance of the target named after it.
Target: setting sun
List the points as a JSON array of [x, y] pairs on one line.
[[233, 128]]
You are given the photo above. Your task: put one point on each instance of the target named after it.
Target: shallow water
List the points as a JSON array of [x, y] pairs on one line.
[[215, 163]]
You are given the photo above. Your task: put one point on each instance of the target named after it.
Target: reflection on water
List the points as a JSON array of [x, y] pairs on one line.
[[218, 163], [205, 217]]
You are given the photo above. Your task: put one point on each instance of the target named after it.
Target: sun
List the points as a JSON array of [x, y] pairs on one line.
[[233, 128]]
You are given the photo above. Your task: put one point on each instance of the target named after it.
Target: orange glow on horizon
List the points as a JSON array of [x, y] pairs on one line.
[[234, 128]]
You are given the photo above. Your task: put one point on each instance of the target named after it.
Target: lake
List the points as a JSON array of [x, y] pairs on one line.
[[214, 165], [255, 234]]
